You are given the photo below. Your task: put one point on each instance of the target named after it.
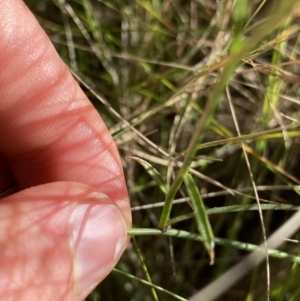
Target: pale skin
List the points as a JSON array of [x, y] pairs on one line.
[[59, 237]]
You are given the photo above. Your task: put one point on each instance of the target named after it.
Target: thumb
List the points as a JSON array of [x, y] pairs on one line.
[[58, 241]]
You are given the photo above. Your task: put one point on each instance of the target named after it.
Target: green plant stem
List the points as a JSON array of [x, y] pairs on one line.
[[234, 208], [219, 241], [158, 288]]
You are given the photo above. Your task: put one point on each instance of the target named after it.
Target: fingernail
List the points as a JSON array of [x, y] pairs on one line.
[[98, 238]]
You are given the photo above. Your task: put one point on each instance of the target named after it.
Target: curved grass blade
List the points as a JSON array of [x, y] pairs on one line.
[[153, 173], [201, 216]]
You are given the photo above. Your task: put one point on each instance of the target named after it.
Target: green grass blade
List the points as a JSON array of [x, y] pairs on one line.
[[201, 216], [218, 241], [148, 277], [158, 288], [153, 173], [266, 135], [235, 208]]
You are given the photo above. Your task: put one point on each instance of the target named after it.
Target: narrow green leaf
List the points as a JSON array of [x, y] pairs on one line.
[[154, 174], [266, 135], [141, 258], [201, 216], [219, 241], [235, 208], [158, 288]]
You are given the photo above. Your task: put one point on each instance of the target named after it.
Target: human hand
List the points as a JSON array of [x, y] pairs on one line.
[[59, 236]]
